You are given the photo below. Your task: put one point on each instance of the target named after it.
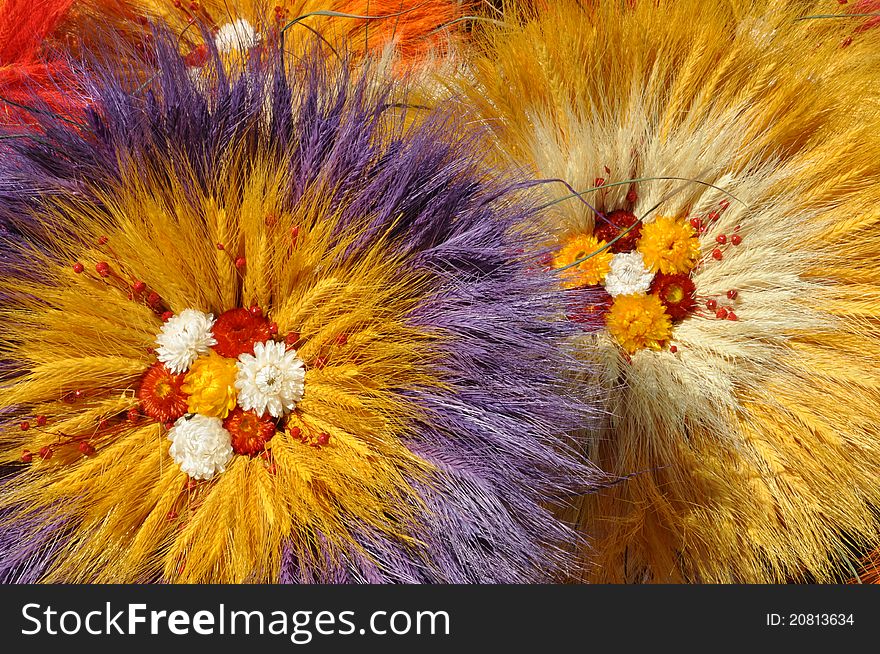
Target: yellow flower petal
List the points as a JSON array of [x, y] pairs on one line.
[[638, 322], [670, 246], [590, 271], [211, 386]]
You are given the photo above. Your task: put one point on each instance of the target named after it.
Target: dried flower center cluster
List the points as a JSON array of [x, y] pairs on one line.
[[641, 275], [222, 387]]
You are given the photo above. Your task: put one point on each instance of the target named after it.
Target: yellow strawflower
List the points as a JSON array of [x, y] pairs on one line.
[[211, 386], [670, 246], [588, 272], [638, 322]]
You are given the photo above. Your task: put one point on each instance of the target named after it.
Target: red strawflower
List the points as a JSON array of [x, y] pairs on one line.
[[160, 394], [589, 307], [613, 225], [249, 432], [676, 292], [237, 331]]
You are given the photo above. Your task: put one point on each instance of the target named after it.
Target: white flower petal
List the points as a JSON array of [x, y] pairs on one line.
[[200, 446], [628, 275], [184, 338], [271, 380], [238, 35]]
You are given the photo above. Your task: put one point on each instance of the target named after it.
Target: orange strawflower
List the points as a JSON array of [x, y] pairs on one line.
[[249, 432], [639, 321], [670, 246], [161, 395], [592, 269]]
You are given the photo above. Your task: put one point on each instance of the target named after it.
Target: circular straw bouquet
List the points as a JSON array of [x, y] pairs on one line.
[[266, 326]]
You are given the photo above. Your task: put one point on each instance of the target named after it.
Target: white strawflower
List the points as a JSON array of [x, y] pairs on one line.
[[271, 380], [238, 35], [184, 338], [628, 275], [200, 445]]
